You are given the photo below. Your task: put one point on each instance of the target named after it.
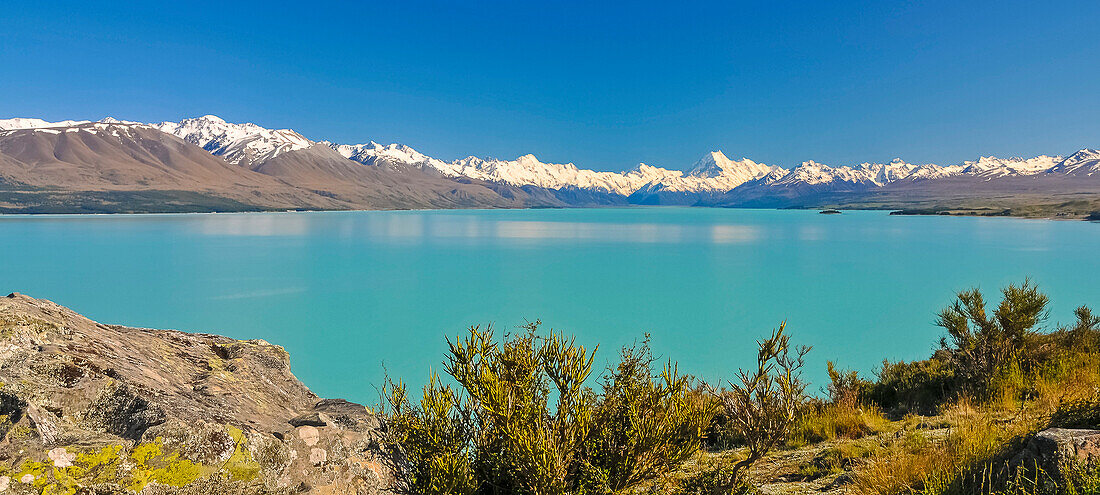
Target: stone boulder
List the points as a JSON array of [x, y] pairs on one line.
[[97, 408], [1054, 448]]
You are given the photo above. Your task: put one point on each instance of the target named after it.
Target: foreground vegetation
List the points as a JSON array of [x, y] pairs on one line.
[[520, 414]]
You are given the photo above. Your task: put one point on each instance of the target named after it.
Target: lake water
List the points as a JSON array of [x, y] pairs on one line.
[[346, 291]]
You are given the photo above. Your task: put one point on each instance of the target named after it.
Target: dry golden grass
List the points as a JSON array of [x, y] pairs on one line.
[[845, 419], [970, 451]]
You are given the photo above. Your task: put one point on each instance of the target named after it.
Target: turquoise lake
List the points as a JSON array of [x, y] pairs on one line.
[[345, 292]]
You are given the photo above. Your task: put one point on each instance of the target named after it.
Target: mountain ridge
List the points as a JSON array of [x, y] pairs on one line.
[[374, 175]]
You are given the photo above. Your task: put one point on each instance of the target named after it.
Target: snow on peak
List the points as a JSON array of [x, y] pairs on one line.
[[714, 172], [716, 164], [1085, 161], [991, 166], [395, 154], [865, 174], [241, 144], [248, 144], [25, 123]]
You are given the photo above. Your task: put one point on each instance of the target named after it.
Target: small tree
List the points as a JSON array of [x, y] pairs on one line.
[[761, 406], [1084, 334], [845, 386], [981, 346]]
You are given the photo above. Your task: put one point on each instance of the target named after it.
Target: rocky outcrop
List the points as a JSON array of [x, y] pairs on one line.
[[112, 409], [1055, 448]]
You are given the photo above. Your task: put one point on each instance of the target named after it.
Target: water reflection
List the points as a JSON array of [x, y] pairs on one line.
[[254, 294], [253, 225], [730, 234], [405, 227]]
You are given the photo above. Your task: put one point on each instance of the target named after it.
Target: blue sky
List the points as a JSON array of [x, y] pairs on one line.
[[605, 86]]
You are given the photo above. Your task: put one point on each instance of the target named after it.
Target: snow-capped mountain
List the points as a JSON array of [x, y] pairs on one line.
[[251, 146], [23, 123], [394, 155], [118, 129], [529, 171], [864, 174], [239, 144], [1084, 162], [714, 172], [715, 165], [717, 173], [991, 166]]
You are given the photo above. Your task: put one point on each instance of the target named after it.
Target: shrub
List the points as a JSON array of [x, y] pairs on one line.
[[845, 414], [644, 426], [716, 478], [834, 460], [762, 405], [522, 420], [845, 386], [980, 345], [1082, 337], [1082, 413], [998, 357], [919, 386]]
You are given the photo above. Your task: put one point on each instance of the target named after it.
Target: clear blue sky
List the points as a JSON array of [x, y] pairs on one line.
[[605, 86]]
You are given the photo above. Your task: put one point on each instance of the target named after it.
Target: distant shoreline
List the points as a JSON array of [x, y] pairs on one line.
[[952, 212]]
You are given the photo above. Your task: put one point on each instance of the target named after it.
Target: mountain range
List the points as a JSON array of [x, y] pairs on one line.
[[208, 164]]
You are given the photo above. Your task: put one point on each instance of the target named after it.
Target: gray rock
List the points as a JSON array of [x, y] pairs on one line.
[[231, 406], [307, 419], [1053, 448]]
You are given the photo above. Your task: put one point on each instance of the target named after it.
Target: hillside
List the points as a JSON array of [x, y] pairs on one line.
[[124, 167]]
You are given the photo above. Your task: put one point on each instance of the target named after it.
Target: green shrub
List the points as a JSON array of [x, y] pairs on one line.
[[834, 460], [845, 386], [1082, 413], [716, 478], [644, 427], [981, 345], [920, 386], [522, 420]]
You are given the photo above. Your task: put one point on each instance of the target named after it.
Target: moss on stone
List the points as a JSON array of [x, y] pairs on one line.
[[153, 464], [19, 432], [241, 466]]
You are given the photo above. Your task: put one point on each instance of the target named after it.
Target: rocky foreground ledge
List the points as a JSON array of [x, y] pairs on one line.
[[93, 408]]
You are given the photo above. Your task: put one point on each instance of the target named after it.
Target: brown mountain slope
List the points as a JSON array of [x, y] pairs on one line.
[[70, 165], [109, 167], [320, 168]]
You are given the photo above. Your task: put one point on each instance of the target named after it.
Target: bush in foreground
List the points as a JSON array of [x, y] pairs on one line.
[[522, 420], [762, 404]]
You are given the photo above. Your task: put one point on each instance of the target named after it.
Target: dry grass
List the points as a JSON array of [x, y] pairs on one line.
[[846, 419], [916, 461], [969, 455]]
